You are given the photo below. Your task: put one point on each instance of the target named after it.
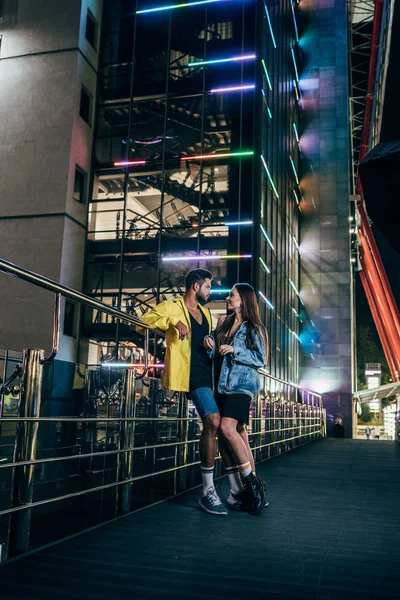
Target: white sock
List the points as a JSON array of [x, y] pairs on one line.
[[234, 479], [207, 474], [245, 469]]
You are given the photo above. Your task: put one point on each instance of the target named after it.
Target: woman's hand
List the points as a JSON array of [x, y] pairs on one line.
[[226, 349], [209, 343]]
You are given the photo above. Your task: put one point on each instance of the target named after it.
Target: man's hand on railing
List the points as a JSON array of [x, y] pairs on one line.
[[182, 330]]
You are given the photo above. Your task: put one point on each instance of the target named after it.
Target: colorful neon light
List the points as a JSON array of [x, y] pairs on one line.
[[235, 88], [266, 236], [220, 291], [294, 21], [269, 177], [224, 155], [266, 74], [266, 104], [186, 5], [270, 25], [264, 265], [296, 133], [296, 89], [294, 170], [295, 65], [204, 257], [129, 163], [294, 287], [295, 312], [267, 302], [296, 197], [295, 242], [296, 336], [229, 223], [222, 60], [119, 365]]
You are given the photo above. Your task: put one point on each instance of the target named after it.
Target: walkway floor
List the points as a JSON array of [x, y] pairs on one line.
[[331, 531]]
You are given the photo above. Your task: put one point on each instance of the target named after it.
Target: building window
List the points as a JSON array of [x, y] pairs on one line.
[[80, 185], [69, 319], [92, 28], [85, 110]]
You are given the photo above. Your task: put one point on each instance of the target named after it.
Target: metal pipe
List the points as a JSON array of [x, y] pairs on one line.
[[379, 265], [378, 323], [25, 449], [126, 441], [56, 331], [48, 284], [183, 435], [381, 302]]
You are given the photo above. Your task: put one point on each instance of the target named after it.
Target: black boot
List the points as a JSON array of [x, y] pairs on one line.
[[256, 494]]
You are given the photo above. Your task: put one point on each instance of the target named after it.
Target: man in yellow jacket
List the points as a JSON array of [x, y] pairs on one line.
[[188, 368]]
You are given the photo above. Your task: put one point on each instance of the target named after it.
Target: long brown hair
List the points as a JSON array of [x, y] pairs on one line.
[[250, 314]]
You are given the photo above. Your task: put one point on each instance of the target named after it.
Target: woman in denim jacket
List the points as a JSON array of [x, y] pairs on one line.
[[239, 348]]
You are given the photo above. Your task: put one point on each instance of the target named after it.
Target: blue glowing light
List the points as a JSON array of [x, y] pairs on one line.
[[266, 73], [294, 21], [266, 103], [222, 60], [264, 265], [296, 133], [269, 176], [294, 170], [270, 25], [267, 302], [266, 236], [229, 223], [295, 65], [171, 7]]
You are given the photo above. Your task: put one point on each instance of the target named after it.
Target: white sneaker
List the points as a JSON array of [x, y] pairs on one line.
[[211, 503]]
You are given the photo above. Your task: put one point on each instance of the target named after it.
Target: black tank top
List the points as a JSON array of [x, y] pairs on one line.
[[200, 364]]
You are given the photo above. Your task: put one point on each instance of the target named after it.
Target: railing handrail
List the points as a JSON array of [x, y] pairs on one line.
[[265, 373], [57, 288], [48, 284]]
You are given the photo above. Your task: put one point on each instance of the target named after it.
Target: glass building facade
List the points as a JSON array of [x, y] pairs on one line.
[[196, 164]]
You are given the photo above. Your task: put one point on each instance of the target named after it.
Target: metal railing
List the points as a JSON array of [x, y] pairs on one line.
[[114, 441]]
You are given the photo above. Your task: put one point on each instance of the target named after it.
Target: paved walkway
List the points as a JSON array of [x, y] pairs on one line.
[[331, 531]]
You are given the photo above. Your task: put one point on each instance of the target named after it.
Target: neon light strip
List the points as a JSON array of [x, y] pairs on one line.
[[224, 155], [296, 89], [296, 197], [235, 88], [130, 366], [295, 242], [294, 170], [220, 291], [266, 301], [294, 21], [266, 236], [186, 5], [129, 163], [229, 223], [296, 336], [295, 312], [295, 133], [294, 287], [204, 257], [269, 177], [264, 265], [266, 74], [222, 60], [270, 25], [295, 66], [266, 104]]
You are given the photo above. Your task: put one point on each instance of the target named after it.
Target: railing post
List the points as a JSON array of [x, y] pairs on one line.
[[257, 427], [126, 439], [183, 437], [25, 449]]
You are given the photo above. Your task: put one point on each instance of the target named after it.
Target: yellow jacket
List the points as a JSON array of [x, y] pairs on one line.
[[165, 316]]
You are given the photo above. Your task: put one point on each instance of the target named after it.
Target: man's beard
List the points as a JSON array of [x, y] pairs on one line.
[[201, 299]]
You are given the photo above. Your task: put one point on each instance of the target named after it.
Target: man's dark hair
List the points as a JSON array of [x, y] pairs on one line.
[[196, 276]]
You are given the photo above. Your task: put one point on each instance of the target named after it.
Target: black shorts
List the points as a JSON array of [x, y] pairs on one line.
[[235, 406]]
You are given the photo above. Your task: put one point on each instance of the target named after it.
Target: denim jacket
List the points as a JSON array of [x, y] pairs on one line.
[[239, 372]]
